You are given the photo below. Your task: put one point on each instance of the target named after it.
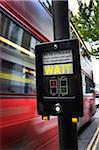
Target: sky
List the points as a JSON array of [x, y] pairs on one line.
[[73, 5]]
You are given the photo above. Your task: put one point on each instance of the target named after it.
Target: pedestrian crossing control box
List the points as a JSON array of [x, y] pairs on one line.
[[58, 78]]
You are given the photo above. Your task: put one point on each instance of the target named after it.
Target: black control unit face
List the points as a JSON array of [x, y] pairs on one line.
[[58, 78]]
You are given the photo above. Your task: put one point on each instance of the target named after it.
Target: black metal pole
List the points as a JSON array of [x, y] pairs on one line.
[[60, 19], [67, 129]]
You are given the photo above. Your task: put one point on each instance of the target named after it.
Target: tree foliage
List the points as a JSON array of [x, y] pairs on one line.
[[87, 22]]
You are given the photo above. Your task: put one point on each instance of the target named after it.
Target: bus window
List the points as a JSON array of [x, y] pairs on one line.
[[89, 85], [16, 79]]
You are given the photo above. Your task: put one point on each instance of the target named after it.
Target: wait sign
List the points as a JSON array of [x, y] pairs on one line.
[[58, 69]]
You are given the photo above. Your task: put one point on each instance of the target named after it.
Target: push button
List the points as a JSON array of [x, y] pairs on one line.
[[58, 108]]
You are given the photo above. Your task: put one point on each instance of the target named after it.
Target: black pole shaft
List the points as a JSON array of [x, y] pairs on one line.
[[67, 129], [67, 133], [60, 19]]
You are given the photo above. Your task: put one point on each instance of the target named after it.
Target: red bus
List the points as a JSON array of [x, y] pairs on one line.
[[23, 25]]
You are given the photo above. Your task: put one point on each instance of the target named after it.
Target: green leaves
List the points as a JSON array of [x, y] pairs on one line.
[[87, 21]]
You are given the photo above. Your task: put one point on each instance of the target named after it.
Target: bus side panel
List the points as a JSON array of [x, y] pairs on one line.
[[21, 124], [27, 13]]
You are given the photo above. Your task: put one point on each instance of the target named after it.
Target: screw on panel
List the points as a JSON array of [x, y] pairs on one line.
[[55, 46]]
